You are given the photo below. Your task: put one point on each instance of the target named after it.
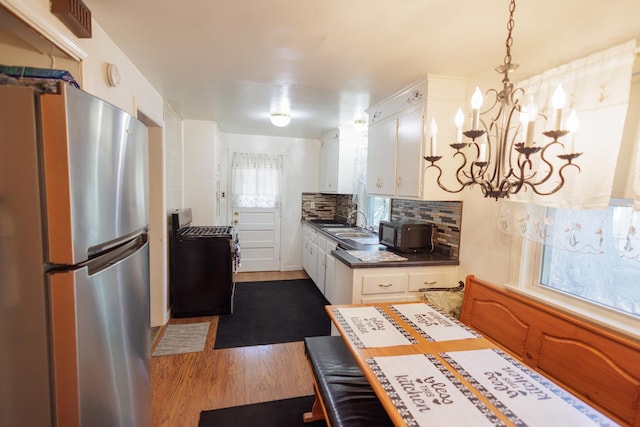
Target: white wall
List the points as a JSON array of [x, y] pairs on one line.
[[173, 158], [301, 166], [199, 170]]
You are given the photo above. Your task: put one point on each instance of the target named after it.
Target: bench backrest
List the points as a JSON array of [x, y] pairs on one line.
[[597, 364]]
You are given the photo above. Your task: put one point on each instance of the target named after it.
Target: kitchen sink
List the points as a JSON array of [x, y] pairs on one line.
[[333, 230], [349, 235]]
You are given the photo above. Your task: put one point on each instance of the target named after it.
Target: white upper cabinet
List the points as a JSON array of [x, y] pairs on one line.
[[337, 160], [399, 139], [381, 158], [409, 154]]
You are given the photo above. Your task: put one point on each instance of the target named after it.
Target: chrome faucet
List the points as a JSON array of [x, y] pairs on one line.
[[366, 221]]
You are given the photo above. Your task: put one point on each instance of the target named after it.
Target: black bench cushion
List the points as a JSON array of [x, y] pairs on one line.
[[346, 393]]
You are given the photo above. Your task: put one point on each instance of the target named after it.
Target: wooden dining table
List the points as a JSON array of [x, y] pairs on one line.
[[427, 368]]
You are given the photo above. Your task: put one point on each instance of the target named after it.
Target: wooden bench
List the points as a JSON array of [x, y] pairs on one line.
[[598, 365], [343, 394]]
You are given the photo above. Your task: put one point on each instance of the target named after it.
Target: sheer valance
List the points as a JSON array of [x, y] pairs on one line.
[[612, 231], [256, 180], [598, 87]]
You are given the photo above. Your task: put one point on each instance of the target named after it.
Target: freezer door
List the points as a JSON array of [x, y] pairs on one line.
[[95, 163], [101, 342]]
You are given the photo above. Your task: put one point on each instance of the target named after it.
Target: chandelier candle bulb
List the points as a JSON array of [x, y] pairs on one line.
[[558, 100], [433, 132], [459, 121], [476, 103], [532, 112], [482, 157], [572, 127], [524, 119]]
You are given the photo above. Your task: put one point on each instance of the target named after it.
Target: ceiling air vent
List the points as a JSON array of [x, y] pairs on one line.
[[75, 15]]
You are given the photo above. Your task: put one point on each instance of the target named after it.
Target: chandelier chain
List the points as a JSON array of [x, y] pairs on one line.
[[509, 41]]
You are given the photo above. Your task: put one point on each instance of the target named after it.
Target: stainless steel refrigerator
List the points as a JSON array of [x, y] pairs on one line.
[[74, 261]]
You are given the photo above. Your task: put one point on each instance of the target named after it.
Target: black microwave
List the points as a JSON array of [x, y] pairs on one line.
[[407, 237]]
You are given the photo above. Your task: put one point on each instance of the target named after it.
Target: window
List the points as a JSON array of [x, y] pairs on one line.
[[585, 261], [593, 255], [378, 209]]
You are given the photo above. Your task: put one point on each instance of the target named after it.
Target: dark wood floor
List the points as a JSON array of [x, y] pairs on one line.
[[183, 385]]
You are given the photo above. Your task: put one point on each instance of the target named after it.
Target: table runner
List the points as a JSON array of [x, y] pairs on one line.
[[371, 327], [523, 395], [425, 392], [432, 323]]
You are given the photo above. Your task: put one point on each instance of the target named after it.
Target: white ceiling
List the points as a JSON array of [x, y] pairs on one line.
[[233, 61]]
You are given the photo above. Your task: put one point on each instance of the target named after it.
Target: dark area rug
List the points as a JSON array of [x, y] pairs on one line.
[[277, 413], [273, 312]]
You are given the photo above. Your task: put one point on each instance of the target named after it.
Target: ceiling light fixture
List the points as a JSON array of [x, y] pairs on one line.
[[503, 152], [280, 119]]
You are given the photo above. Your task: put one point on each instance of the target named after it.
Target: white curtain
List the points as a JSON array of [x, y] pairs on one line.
[[614, 230], [598, 87], [256, 179]]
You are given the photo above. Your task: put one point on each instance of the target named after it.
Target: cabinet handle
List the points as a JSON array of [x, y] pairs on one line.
[[388, 285], [431, 283], [399, 181]]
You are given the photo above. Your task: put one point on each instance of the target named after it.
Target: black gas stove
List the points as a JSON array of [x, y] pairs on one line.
[[203, 262]]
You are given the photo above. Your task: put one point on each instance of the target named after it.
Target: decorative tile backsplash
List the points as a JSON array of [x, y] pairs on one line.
[[326, 206], [447, 216]]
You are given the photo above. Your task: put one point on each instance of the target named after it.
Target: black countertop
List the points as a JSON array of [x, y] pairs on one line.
[[345, 245]]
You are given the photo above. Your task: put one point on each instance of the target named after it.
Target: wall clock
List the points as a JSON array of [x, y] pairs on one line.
[[113, 75]]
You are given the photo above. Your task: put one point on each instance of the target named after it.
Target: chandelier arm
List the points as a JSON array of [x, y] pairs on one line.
[[440, 184], [560, 184], [549, 173]]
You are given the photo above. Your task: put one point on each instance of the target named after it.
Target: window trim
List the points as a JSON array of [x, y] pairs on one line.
[[525, 264]]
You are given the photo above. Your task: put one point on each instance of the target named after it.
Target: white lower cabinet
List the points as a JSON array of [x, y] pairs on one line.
[[310, 252], [321, 265], [317, 260], [388, 284], [328, 279]]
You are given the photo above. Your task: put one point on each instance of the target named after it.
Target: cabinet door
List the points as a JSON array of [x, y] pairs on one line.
[[321, 268], [329, 167], [328, 279], [409, 154], [381, 154]]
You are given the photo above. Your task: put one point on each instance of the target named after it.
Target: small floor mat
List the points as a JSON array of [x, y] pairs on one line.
[[184, 338]]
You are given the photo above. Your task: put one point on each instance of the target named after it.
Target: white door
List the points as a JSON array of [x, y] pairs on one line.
[[259, 233]]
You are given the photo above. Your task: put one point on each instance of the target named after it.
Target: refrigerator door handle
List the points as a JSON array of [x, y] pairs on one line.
[[104, 260]]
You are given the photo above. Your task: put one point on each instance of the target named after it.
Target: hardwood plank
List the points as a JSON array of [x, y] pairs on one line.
[[265, 276], [184, 385]]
